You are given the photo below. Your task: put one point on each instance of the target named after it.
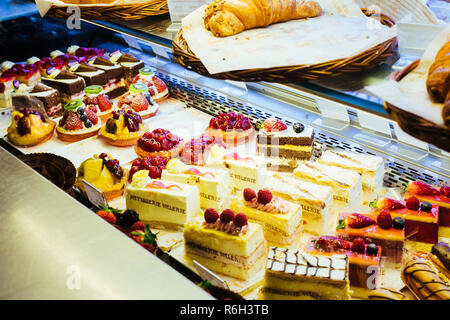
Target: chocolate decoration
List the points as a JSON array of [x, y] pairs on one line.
[[442, 251]]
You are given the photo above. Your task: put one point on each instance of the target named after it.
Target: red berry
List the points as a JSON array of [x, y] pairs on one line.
[[103, 103], [421, 188], [240, 220], [148, 247], [358, 245], [227, 215], [91, 115], [138, 225], [102, 155], [249, 194], [412, 203], [159, 84], [274, 125], [73, 122], [445, 191], [358, 221], [331, 243], [140, 103], [107, 216], [388, 203], [264, 196], [384, 219], [211, 215], [154, 172]]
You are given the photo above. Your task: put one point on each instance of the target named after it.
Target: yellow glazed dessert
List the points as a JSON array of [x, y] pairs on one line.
[[123, 129], [29, 127]]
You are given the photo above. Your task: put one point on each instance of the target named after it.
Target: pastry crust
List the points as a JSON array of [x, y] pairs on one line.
[[76, 137], [234, 137], [122, 142], [172, 153], [43, 139]]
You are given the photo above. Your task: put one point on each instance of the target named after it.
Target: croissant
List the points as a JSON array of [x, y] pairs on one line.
[[229, 17], [438, 80]]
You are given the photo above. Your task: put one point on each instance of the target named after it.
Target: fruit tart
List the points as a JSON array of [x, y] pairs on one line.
[[156, 87], [159, 142], [231, 128], [123, 129], [148, 166], [29, 127], [78, 122], [103, 172], [196, 150], [95, 98], [139, 100]]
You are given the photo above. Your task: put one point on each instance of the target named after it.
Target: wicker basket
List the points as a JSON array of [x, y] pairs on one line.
[[123, 12], [414, 125], [361, 62]]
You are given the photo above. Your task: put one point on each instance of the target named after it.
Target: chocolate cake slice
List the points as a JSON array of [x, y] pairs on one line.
[[69, 85], [50, 98], [115, 75], [130, 63], [90, 74]]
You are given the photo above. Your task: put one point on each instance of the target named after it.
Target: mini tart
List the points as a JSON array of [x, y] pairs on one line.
[[156, 86], [230, 128], [39, 131], [136, 98], [159, 142], [122, 137], [172, 153]]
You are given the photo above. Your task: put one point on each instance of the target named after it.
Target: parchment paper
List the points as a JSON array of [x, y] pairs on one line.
[[340, 32], [410, 94]]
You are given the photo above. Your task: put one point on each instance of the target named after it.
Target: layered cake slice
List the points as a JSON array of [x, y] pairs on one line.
[[315, 200], [379, 229], [281, 219], [213, 184], [284, 146], [297, 275], [227, 243], [370, 167], [50, 98], [6, 89], [69, 85], [244, 171], [364, 261], [441, 197], [346, 184], [27, 74], [130, 63], [162, 203]]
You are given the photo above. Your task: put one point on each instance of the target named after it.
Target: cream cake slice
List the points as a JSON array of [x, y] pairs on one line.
[[281, 219], [226, 244], [346, 184], [213, 184], [315, 200], [244, 171], [370, 167], [163, 203], [296, 275]]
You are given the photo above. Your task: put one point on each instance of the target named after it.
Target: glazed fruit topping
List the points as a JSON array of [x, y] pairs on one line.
[[445, 191], [372, 249], [159, 84], [226, 216], [229, 121], [158, 140], [113, 166], [211, 215], [249, 194], [384, 220], [273, 125], [398, 223], [264, 196], [89, 52], [412, 203], [107, 216], [331, 243], [426, 206], [358, 221], [154, 165], [422, 188], [387, 203], [358, 245], [71, 121], [92, 117], [24, 126]]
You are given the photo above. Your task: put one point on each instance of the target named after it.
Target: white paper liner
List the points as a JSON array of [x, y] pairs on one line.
[[410, 94], [342, 31]]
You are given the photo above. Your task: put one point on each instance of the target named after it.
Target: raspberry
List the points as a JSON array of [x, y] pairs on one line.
[[358, 245], [103, 103], [384, 219], [412, 203], [73, 122], [227, 216], [107, 216], [139, 103], [138, 225], [249, 194], [240, 220], [264, 196], [211, 215]]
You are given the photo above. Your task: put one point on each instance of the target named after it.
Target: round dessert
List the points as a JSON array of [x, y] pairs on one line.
[[123, 129], [156, 87], [29, 127], [78, 122], [103, 172], [95, 98], [230, 128], [139, 100], [196, 150], [152, 166], [159, 142]]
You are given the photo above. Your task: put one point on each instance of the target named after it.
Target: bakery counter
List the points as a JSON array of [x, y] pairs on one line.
[[55, 248]]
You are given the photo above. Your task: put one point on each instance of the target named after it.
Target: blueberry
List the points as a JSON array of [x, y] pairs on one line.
[[398, 223], [80, 110], [298, 127], [372, 249], [84, 117], [426, 206], [88, 124]]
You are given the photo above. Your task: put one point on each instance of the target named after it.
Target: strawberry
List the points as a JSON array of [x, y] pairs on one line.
[[107, 216], [264, 196], [91, 115], [73, 121], [149, 247], [211, 215], [139, 103], [358, 245], [227, 215], [358, 221], [159, 84], [103, 103], [92, 107], [249, 194], [331, 243], [421, 188], [412, 203], [445, 191], [274, 125], [384, 219], [388, 203]]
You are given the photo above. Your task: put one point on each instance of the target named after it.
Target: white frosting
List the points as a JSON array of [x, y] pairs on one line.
[[6, 65], [56, 53], [33, 60]]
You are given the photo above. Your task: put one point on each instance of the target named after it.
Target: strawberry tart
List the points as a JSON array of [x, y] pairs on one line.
[[95, 98], [156, 87], [159, 142], [230, 128], [123, 129], [151, 166], [139, 100], [196, 150], [78, 122]]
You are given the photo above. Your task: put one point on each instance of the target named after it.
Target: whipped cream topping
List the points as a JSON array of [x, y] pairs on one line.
[[229, 227], [276, 205]]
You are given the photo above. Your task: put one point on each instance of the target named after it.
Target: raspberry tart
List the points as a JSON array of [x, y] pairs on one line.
[[123, 129], [230, 128], [78, 122], [156, 87], [151, 166], [29, 128], [159, 142], [95, 98], [196, 150], [139, 100]]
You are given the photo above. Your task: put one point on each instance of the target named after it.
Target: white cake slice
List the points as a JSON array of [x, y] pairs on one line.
[[346, 184], [162, 203], [370, 167], [244, 171], [213, 184], [315, 200]]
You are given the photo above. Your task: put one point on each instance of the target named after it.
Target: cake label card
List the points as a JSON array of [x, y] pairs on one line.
[[96, 196], [206, 274]]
